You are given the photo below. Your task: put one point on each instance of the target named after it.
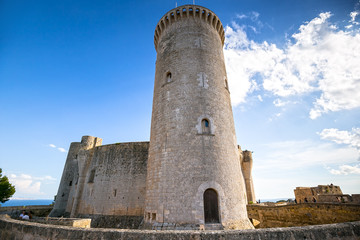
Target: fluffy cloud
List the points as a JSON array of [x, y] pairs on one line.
[[29, 185], [345, 170], [342, 137], [320, 59]]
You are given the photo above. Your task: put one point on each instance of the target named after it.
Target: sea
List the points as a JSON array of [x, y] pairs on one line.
[[26, 202]]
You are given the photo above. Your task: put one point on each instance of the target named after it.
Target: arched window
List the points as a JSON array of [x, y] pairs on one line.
[[211, 206], [168, 77], [205, 126]]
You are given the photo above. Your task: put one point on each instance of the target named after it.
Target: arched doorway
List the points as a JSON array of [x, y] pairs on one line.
[[211, 206]]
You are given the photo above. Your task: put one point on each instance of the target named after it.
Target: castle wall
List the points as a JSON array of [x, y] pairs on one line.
[[115, 180], [335, 198], [311, 194], [327, 189], [103, 180], [86, 150], [356, 198], [303, 214], [304, 194]]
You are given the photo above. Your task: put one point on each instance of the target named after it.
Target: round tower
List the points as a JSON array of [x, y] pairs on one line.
[[194, 177]]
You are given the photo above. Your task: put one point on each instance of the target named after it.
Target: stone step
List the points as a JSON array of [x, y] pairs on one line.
[[214, 226]]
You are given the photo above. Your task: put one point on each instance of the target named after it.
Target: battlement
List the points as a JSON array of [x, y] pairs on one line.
[[188, 11]]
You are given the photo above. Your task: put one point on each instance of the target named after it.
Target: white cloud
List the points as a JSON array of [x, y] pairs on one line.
[[342, 137], [321, 59], [345, 170], [260, 98], [353, 16], [279, 103], [241, 16], [24, 184], [58, 148], [61, 149], [29, 185], [301, 154]]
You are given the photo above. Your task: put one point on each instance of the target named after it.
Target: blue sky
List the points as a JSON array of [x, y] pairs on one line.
[[74, 68]]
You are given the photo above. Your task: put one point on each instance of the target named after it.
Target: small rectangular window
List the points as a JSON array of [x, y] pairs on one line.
[[92, 176]]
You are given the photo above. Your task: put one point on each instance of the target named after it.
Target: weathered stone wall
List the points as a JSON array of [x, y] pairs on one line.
[[303, 194], [356, 198], [310, 194], [187, 156], [73, 222], [18, 230], [84, 157], [114, 221], [303, 214], [327, 189], [115, 181], [103, 180], [335, 198]]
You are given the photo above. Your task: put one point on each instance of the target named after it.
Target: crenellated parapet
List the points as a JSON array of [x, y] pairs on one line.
[[188, 11]]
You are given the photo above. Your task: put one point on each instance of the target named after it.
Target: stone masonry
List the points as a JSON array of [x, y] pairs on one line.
[[321, 193], [103, 180]]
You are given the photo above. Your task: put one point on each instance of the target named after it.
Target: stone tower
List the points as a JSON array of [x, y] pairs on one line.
[[194, 176], [246, 165]]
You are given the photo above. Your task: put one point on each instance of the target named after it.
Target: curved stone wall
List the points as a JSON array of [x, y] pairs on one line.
[[15, 229]]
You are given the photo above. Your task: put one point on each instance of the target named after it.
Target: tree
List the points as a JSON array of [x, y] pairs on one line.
[[6, 189]]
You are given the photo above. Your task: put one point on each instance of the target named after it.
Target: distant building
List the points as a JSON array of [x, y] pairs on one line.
[[324, 193]]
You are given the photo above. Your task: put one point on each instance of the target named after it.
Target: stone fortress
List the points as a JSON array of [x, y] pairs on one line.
[[192, 174], [324, 194]]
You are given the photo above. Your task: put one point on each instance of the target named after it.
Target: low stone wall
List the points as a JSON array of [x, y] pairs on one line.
[[108, 221], [17, 230], [303, 214], [72, 222], [37, 210]]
